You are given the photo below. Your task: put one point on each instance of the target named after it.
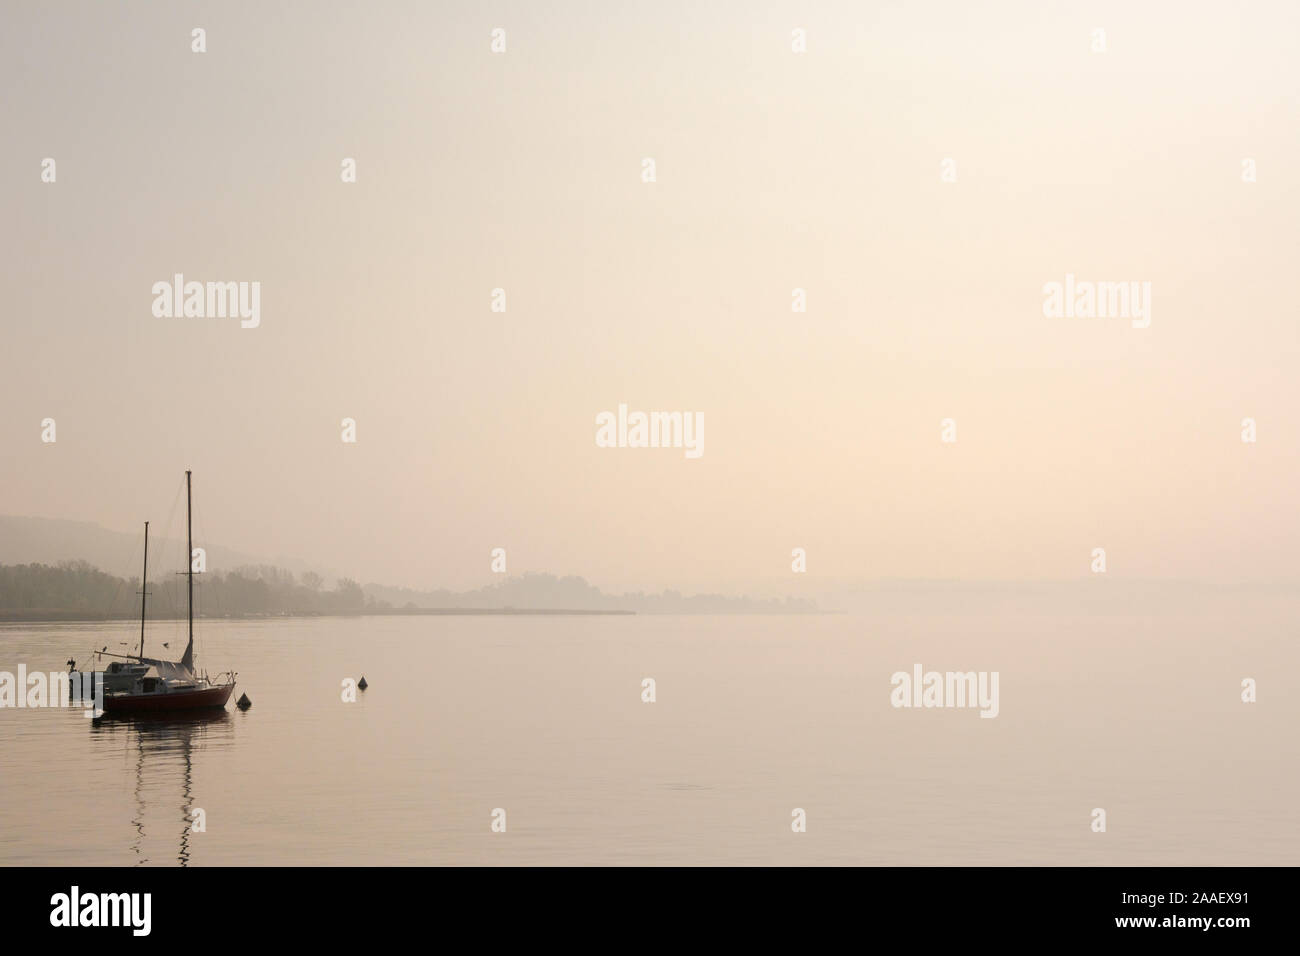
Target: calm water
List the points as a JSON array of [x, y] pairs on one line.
[[1131, 710]]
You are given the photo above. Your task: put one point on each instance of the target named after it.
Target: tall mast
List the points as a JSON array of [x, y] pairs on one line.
[[188, 659], [144, 585]]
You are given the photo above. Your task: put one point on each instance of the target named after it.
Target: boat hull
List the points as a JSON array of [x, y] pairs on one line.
[[207, 698]]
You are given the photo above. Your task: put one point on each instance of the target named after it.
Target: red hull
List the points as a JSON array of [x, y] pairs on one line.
[[177, 700]]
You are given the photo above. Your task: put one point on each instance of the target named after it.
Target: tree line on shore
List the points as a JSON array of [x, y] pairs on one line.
[[78, 587], [77, 590]]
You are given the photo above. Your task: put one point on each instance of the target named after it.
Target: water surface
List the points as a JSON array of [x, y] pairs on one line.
[[1136, 711]]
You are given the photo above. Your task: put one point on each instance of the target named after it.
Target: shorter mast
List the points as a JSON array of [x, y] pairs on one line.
[[187, 660], [144, 585]]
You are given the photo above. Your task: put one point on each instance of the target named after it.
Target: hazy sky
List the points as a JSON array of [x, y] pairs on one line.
[[775, 170]]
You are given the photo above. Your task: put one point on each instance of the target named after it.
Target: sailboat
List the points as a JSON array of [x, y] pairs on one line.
[[142, 684]]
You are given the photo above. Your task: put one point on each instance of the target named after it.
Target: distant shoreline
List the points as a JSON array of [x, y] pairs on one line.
[[77, 590], [30, 616], [82, 617]]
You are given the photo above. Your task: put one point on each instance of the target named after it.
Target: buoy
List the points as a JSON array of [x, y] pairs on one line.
[[243, 703], [361, 684]]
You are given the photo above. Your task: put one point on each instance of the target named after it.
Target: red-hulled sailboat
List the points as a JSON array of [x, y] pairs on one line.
[[154, 686]]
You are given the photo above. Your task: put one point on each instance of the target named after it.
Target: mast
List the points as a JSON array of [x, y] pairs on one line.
[[188, 659], [144, 585]]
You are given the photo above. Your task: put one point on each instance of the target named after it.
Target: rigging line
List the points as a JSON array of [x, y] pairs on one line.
[[200, 585], [168, 557], [216, 593], [200, 642], [200, 609], [117, 590], [164, 557]]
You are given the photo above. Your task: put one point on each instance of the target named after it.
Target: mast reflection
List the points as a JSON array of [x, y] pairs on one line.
[[165, 745]]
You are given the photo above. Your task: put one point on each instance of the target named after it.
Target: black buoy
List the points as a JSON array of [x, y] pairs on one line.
[[243, 703], [361, 684]]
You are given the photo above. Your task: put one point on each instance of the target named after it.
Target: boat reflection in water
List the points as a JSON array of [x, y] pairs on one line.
[[163, 748]]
